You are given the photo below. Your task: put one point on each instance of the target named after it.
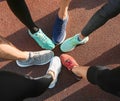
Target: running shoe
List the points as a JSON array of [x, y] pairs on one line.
[[42, 40], [36, 58], [68, 61], [59, 30], [70, 43], [55, 66]]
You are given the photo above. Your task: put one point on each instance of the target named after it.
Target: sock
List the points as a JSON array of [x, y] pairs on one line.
[[34, 30], [78, 37]]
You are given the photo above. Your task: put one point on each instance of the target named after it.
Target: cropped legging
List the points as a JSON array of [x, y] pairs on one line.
[[108, 80], [108, 11], [15, 87], [21, 11]]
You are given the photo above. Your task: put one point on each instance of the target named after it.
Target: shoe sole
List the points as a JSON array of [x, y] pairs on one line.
[[30, 65]]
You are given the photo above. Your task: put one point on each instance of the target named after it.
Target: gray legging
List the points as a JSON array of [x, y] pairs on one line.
[[15, 87], [108, 11]]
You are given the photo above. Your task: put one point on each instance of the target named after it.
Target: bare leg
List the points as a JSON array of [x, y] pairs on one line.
[[59, 29], [9, 51], [63, 12]]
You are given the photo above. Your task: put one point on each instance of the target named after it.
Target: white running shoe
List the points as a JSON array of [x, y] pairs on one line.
[[55, 66]]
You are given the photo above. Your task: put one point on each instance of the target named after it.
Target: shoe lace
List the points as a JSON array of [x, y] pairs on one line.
[[35, 57], [42, 37]]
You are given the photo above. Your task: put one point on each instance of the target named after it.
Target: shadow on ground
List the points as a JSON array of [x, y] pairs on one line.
[[66, 79], [23, 41], [108, 58]]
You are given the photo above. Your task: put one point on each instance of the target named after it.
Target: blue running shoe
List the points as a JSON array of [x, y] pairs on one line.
[[59, 30], [42, 40]]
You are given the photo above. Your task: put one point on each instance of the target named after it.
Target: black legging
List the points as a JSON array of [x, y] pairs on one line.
[[15, 87], [20, 9], [106, 79], [108, 11]]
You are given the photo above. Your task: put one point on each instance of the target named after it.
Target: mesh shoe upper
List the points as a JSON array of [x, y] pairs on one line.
[[36, 58], [59, 30], [70, 43], [55, 66], [42, 40]]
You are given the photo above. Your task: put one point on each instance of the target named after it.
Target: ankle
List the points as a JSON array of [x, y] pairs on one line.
[[81, 36], [76, 71], [24, 56], [34, 30], [62, 15], [51, 73]]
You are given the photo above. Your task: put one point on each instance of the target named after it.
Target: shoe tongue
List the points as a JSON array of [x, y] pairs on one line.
[[31, 55]]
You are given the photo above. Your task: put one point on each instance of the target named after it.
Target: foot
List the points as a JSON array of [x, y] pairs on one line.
[[70, 63], [42, 40], [36, 58], [59, 30], [71, 43], [55, 68]]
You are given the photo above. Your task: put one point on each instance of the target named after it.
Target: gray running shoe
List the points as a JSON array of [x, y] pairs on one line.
[[36, 58]]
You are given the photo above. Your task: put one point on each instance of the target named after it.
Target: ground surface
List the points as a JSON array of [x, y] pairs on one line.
[[102, 49]]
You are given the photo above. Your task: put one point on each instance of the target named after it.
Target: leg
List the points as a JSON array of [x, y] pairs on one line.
[[9, 51], [52, 73], [24, 59], [63, 11], [59, 29], [108, 80], [108, 11], [15, 87], [20, 9]]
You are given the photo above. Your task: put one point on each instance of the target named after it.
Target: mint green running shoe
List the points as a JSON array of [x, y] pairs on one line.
[[70, 43], [42, 40]]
